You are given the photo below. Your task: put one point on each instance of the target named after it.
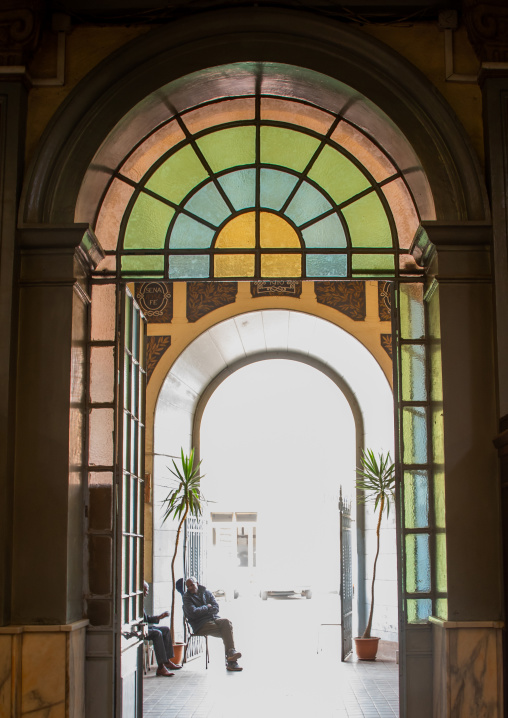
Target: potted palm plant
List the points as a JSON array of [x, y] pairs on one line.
[[183, 500], [376, 478]]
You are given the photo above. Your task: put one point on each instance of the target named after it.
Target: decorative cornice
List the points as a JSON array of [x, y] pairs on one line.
[[487, 27], [19, 31]]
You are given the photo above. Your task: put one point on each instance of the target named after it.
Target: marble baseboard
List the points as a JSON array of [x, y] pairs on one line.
[[42, 671]]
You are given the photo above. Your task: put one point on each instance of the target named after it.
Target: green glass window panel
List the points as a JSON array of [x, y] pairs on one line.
[[437, 434], [439, 498], [417, 563], [240, 187], [287, 148], [233, 147], [418, 610], [441, 571], [412, 319], [189, 234], [208, 204], [148, 224], [275, 188], [326, 233], [195, 266], [307, 204], [416, 499], [178, 175], [369, 263], [368, 223], [442, 608], [413, 372], [338, 176], [414, 432], [436, 373], [326, 265], [139, 263]]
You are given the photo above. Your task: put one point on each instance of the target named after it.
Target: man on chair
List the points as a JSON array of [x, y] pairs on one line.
[[161, 639], [202, 611]]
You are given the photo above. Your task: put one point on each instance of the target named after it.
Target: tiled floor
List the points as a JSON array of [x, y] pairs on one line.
[[291, 668]]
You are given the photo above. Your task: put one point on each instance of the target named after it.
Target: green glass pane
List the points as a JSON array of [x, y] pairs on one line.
[[414, 432], [325, 233], [189, 234], [442, 608], [229, 148], [275, 188], [189, 267], [413, 372], [287, 148], [208, 204], [150, 263], [441, 572], [439, 498], [437, 434], [178, 175], [368, 223], [307, 204], [338, 176], [240, 187], [148, 224], [369, 263], [326, 265], [412, 319], [417, 563], [416, 499], [436, 373], [418, 610]]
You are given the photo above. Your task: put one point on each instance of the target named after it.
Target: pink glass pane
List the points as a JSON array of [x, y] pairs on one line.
[[371, 157], [102, 424], [102, 374], [100, 478], [112, 211], [296, 113], [150, 151], [103, 312], [219, 113], [403, 210], [407, 263], [108, 264]]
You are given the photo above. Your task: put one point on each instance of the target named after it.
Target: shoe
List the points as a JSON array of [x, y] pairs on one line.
[[233, 654], [233, 666], [173, 666], [163, 671]]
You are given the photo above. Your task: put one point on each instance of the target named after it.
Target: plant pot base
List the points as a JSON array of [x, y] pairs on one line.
[[178, 651], [366, 648]]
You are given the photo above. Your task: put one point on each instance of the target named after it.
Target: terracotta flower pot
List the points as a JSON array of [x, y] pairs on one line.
[[178, 650], [366, 648]]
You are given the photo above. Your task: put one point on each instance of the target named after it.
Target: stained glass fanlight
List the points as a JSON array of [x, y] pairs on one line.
[[258, 187]]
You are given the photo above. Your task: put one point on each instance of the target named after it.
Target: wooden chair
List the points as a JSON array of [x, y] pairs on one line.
[[148, 655]]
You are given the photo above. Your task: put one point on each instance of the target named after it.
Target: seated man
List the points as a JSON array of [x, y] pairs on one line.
[[202, 612], [162, 641]]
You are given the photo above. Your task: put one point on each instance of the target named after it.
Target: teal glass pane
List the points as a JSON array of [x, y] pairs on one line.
[[418, 610], [326, 233], [209, 205], [414, 434], [416, 499], [326, 265], [417, 563], [413, 372], [230, 147], [149, 263], [412, 320], [189, 234], [240, 187], [189, 267], [148, 224], [368, 223], [370, 263], [178, 175], [307, 204], [275, 187]]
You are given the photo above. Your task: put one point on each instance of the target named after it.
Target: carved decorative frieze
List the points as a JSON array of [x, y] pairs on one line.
[[20, 25], [487, 27], [276, 287], [384, 301], [386, 343], [347, 297], [155, 300], [155, 348], [204, 297]]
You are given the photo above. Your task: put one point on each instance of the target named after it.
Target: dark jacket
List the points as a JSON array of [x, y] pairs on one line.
[[195, 607]]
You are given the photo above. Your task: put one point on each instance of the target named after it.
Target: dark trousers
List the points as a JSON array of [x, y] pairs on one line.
[[162, 643], [220, 627]]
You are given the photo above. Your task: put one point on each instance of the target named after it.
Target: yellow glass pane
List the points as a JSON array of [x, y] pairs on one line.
[[403, 210], [152, 148], [276, 231], [234, 265], [111, 214], [219, 113], [239, 232], [281, 265], [371, 157], [296, 113]]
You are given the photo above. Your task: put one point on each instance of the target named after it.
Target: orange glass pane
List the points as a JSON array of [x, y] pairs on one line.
[[219, 113], [403, 210], [234, 265], [239, 232], [276, 231], [111, 214], [371, 157], [281, 265], [150, 151], [296, 113]]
